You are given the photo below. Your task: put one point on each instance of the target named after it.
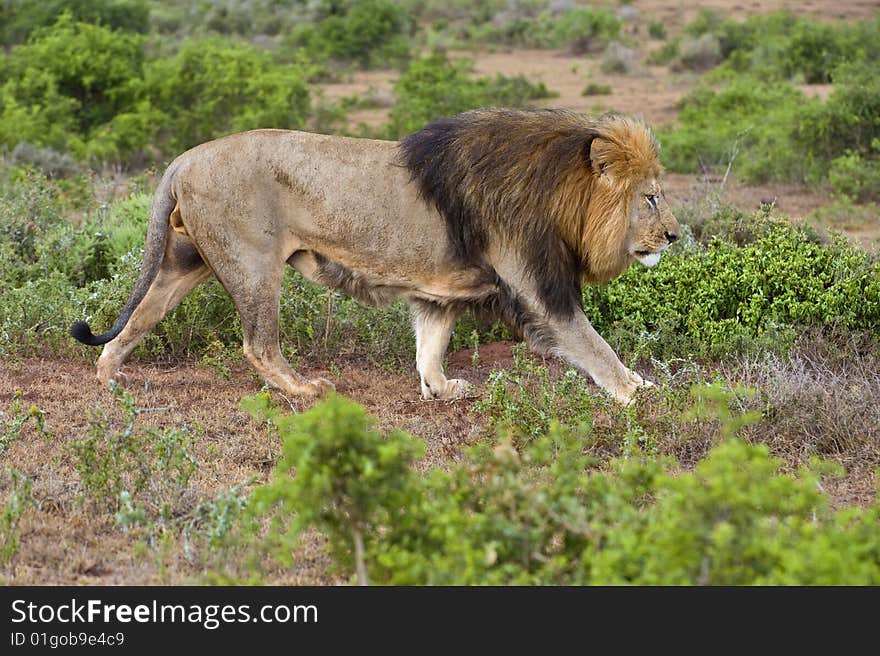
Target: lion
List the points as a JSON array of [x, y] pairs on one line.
[[505, 211]]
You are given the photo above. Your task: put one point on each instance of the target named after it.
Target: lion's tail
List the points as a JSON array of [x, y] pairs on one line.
[[154, 251]]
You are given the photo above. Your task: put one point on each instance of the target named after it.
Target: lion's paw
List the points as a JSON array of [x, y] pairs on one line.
[[626, 394], [458, 388], [455, 388], [116, 377], [321, 386]]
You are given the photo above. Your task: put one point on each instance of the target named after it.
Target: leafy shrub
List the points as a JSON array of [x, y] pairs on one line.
[[771, 131], [596, 89], [854, 178], [212, 87], [434, 87], [19, 18], [845, 124], [747, 123], [541, 515], [369, 32], [782, 46], [726, 298], [120, 469], [71, 83], [580, 29], [657, 30], [345, 481]]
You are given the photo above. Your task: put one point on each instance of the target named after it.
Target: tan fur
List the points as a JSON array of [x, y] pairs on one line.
[[345, 212]]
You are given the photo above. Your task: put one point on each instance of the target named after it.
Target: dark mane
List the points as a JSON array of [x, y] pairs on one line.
[[498, 173]]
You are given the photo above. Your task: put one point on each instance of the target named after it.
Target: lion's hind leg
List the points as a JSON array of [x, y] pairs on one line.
[[181, 270], [255, 287], [433, 326]]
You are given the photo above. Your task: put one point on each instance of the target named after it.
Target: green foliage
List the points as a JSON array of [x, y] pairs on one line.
[[17, 488], [19, 18], [747, 122], [212, 87], [771, 131], [369, 32], [138, 472], [13, 421], [434, 87], [846, 124], [74, 83], [526, 401], [542, 515], [854, 178], [726, 298], [782, 46], [596, 89], [348, 475], [657, 30], [581, 29]]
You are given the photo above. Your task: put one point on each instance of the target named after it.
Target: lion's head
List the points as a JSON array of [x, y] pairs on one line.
[[625, 216], [579, 198]]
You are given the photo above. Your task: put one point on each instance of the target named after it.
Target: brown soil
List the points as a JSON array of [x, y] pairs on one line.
[[66, 542], [62, 542]]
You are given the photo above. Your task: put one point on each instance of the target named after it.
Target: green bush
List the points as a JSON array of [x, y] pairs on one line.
[[748, 121], [212, 87], [771, 131], [368, 32], [581, 29], [596, 89], [774, 46], [77, 87], [345, 482], [726, 298], [543, 515], [434, 87], [657, 30], [20, 18]]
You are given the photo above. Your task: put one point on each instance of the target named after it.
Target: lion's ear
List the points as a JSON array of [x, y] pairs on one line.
[[598, 154]]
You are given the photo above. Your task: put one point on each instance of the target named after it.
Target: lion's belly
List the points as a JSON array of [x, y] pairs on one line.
[[380, 287]]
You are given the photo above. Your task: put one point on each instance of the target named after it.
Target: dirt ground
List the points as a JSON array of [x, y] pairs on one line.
[[64, 543]]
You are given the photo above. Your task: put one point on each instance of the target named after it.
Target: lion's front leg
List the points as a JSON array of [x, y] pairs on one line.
[[577, 341], [433, 326]]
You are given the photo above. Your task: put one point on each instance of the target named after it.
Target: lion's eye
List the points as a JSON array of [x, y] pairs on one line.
[[652, 201]]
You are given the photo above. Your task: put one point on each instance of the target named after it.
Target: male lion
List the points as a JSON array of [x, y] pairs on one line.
[[507, 211]]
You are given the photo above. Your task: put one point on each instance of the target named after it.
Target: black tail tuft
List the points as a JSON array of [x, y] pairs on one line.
[[81, 332]]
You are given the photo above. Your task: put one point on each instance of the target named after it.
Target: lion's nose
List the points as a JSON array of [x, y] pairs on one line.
[[671, 237]]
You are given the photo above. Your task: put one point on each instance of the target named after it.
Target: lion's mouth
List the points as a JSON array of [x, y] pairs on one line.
[[647, 258]]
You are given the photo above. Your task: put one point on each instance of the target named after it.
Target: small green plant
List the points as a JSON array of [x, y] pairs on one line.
[[657, 30], [596, 89], [18, 498], [348, 475], [525, 400], [134, 471], [13, 421]]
